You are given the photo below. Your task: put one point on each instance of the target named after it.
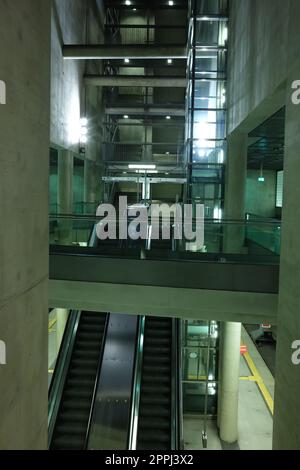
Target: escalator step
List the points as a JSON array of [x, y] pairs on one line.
[[78, 429], [73, 417], [159, 389], [158, 411], [162, 437], [147, 423], [156, 378], [155, 400], [68, 442]]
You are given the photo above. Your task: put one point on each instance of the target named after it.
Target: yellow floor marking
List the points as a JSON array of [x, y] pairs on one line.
[[251, 378], [260, 383], [51, 324]]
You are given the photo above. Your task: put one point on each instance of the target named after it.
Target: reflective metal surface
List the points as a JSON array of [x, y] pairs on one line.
[[136, 393], [111, 415]]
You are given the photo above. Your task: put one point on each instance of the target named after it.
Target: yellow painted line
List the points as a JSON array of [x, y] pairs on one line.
[[260, 383], [196, 377], [51, 324], [251, 378]]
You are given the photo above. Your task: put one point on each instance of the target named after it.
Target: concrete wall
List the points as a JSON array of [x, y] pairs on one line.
[[263, 63], [261, 197], [263, 45], [68, 26], [24, 162], [287, 385]]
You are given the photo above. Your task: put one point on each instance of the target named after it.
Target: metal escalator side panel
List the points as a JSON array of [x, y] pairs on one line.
[[111, 414], [136, 386], [154, 430], [61, 370], [96, 382], [72, 420], [176, 383]]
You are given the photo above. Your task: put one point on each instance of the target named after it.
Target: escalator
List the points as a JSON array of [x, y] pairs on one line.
[[71, 426], [156, 430]]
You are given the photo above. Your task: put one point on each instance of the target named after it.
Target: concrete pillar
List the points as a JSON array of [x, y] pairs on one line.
[[235, 191], [24, 207], [65, 182], [61, 321], [89, 181], [65, 194], [229, 390], [286, 434]]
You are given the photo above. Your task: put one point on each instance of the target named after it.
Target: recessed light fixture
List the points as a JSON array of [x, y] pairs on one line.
[[128, 3], [126, 116], [167, 153], [171, 3], [168, 117], [146, 171], [126, 61], [170, 61]]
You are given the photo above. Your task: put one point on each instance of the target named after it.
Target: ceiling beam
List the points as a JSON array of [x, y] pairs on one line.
[[135, 81], [105, 52]]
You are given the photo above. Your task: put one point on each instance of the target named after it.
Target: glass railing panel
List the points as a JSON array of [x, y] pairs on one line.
[[170, 237]]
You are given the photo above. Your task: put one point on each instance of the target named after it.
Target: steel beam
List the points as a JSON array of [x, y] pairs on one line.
[[135, 81], [102, 52], [138, 179], [145, 111]]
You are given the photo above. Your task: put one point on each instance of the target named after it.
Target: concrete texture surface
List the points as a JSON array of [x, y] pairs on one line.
[[24, 161]]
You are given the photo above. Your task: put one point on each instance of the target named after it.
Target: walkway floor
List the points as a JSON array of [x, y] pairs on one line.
[[255, 408]]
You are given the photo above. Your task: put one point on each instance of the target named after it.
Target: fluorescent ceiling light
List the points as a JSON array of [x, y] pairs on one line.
[[141, 167], [128, 3], [170, 61], [126, 61], [126, 116], [171, 3], [168, 117], [146, 171]]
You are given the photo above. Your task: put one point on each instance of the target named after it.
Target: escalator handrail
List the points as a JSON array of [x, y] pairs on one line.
[[136, 388], [61, 371], [175, 389], [88, 429]]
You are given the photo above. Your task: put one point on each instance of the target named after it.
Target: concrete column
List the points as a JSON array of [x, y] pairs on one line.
[[230, 370], [65, 182], [24, 206], [92, 182], [286, 434], [65, 194], [235, 191], [61, 321], [220, 374]]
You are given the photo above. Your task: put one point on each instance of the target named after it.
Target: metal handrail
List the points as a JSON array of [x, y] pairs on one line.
[[88, 429], [175, 399], [61, 371], [136, 395]]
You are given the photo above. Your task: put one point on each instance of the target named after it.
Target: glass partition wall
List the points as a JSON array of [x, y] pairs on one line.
[[206, 105], [200, 347]]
